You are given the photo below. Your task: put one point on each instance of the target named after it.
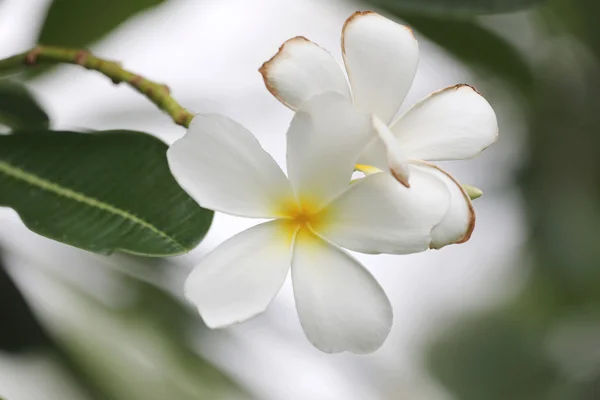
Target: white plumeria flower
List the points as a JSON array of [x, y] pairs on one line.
[[314, 210], [381, 59]]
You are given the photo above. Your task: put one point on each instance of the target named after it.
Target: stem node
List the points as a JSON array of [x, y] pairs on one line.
[[80, 57], [31, 57]]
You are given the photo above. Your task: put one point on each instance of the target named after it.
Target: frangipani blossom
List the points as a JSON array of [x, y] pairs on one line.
[[381, 59], [315, 210]]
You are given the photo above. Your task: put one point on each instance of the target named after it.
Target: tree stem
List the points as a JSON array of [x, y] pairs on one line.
[[157, 93]]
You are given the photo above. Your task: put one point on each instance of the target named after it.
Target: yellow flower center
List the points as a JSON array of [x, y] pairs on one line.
[[302, 217], [301, 214]]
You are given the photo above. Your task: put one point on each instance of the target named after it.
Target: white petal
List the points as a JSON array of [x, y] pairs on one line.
[[325, 139], [381, 58], [459, 221], [222, 166], [340, 305], [300, 70], [397, 162], [452, 124], [376, 155], [379, 215], [238, 279]]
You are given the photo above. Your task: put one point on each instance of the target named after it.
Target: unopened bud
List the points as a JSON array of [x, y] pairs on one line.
[[472, 191]]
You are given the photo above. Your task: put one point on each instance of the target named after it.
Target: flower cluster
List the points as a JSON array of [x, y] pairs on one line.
[[404, 204]]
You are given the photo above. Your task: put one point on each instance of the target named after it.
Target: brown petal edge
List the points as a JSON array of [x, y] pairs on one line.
[[267, 66], [457, 86], [472, 217], [358, 14]]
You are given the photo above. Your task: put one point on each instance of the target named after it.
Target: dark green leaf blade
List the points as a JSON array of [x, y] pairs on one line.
[[19, 109], [77, 23], [101, 192], [457, 7]]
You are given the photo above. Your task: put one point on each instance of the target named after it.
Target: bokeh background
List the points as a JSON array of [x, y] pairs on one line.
[[512, 314]]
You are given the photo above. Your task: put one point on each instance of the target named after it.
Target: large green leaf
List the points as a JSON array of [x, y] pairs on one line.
[[463, 7], [76, 23], [475, 46], [101, 192], [18, 108]]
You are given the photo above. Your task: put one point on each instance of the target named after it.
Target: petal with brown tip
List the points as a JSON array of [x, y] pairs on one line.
[[381, 59], [459, 222], [300, 70], [454, 123]]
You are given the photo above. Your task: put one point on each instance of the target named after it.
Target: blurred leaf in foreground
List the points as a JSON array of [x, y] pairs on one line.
[[140, 349], [494, 358], [77, 23], [20, 330], [19, 109], [101, 192], [461, 7], [22, 333]]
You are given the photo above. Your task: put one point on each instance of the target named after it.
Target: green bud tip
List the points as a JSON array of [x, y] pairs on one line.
[[472, 191]]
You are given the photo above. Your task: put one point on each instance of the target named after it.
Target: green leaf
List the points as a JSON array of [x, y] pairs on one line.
[[18, 108], [100, 192], [76, 23], [477, 47], [457, 7], [24, 332]]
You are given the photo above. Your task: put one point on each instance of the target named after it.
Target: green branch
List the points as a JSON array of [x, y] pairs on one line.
[[157, 93]]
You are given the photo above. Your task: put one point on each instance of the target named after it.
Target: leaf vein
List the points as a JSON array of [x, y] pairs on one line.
[[35, 180]]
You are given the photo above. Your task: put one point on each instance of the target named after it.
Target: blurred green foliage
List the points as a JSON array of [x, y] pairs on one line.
[[456, 7], [23, 334], [545, 343], [18, 108], [494, 357], [137, 350], [142, 349], [476, 46], [512, 351], [77, 23]]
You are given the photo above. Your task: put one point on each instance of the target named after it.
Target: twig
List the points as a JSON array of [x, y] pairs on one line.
[[157, 93]]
